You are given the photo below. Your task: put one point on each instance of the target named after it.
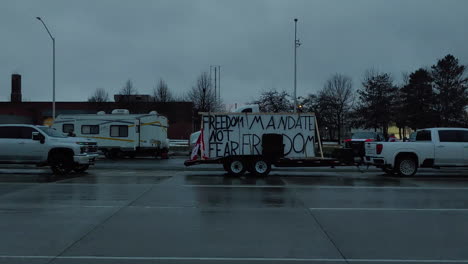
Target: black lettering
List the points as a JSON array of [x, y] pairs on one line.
[[217, 125], [219, 135], [241, 121], [301, 143], [255, 142], [227, 151], [288, 145], [271, 123], [206, 121], [212, 120], [234, 147], [245, 143], [309, 139], [282, 122], [298, 123], [257, 119], [291, 122], [224, 122], [228, 133], [215, 147], [212, 136]]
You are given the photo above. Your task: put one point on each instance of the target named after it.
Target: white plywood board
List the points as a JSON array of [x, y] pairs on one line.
[[227, 134]]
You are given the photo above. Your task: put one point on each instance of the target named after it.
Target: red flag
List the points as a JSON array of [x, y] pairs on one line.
[[199, 147]]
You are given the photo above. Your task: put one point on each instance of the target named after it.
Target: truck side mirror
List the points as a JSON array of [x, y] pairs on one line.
[[38, 137]]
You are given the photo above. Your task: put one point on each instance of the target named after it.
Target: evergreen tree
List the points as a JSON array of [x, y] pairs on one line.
[[450, 86], [377, 98], [417, 99]]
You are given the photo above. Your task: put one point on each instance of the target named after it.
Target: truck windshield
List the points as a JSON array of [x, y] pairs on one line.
[[52, 132]]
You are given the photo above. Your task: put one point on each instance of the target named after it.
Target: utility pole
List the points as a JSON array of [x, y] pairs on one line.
[[219, 83], [297, 43], [53, 68], [215, 83]]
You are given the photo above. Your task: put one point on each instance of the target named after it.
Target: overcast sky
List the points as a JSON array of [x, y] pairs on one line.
[[101, 44]]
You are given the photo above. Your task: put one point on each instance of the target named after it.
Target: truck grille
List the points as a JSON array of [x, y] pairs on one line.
[[89, 149]]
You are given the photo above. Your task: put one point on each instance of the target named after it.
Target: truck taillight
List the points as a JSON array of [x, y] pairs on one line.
[[379, 148]]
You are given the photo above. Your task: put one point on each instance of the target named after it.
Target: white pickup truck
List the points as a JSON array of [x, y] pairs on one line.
[[44, 146], [429, 148]]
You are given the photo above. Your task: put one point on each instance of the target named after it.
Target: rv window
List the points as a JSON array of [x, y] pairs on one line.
[[88, 129], [119, 131], [66, 128]]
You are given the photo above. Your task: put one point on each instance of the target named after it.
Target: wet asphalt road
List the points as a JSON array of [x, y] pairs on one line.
[[157, 211]]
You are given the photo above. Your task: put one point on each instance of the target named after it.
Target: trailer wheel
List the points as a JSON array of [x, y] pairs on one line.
[[260, 167], [236, 167]]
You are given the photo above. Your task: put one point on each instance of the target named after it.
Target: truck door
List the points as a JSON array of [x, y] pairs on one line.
[[449, 149]]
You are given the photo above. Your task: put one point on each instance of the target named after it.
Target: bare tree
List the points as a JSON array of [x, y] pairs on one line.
[[99, 96], [128, 88], [162, 93], [202, 95], [126, 93], [338, 97], [274, 101]]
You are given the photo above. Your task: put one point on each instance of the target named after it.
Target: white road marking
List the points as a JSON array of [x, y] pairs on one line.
[[291, 186], [387, 209], [238, 259]]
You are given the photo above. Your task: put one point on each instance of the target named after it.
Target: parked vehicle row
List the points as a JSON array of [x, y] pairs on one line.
[[74, 141]]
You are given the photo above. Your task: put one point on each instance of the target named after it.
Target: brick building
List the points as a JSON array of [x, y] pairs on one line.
[[179, 114]]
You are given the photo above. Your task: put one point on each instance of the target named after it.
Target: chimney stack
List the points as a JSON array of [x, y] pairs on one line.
[[15, 88]]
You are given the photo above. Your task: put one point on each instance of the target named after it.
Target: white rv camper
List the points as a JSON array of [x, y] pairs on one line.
[[120, 133]]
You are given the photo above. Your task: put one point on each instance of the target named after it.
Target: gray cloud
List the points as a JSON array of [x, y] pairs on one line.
[[103, 43]]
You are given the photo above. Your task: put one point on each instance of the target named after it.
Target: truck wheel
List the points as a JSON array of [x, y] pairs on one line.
[[406, 166], [260, 167], [81, 168], [61, 163], [236, 167]]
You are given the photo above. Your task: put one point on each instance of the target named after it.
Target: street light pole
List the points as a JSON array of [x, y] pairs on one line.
[[53, 68], [296, 44]]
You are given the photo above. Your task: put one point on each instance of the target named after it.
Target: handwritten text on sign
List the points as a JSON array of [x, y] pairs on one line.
[[241, 134]]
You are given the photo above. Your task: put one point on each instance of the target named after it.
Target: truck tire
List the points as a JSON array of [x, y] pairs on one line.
[[260, 167], [81, 168], [406, 166], [236, 167], [61, 163]]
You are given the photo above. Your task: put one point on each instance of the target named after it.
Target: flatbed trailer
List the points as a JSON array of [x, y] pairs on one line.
[[255, 142], [285, 162]]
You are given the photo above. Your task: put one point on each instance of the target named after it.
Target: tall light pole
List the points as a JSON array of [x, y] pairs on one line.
[[53, 68], [217, 81], [297, 43]]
